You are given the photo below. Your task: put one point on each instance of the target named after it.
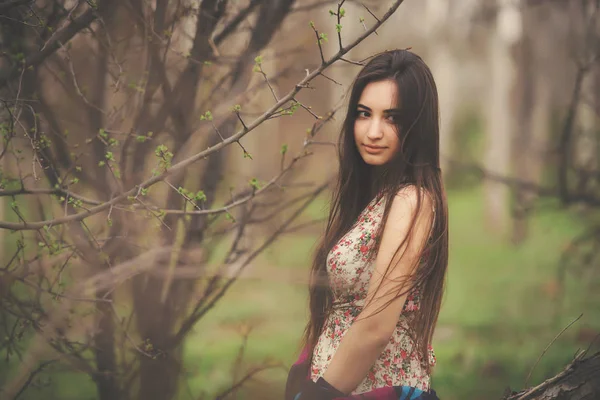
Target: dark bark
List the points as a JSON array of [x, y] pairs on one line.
[[159, 373], [162, 321], [533, 100], [107, 382], [104, 337], [580, 380], [180, 105], [7, 5], [62, 37], [522, 138], [157, 316]]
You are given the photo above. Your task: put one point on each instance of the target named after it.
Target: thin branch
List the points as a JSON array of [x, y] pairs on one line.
[[63, 296], [158, 217], [565, 138], [259, 69], [244, 379], [310, 7], [233, 204], [331, 79], [362, 21], [317, 142], [583, 67], [299, 227], [370, 12], [76, 84], [339, 22], [547, 347], [278, 208], [246, 154], [23, 191], [194, 317], [126, 334], [569, 369], [31, 376], [61, 37], [203, 154], [11, 128], [242, 15], [234, 253], [237, 365], [544, 191], [7, 5], [308, 110], [352, 62], [186, 197], [312, 25]]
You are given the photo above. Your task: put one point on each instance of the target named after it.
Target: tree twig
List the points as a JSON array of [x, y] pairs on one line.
[[203, 154], [547, 347], [62, 37]]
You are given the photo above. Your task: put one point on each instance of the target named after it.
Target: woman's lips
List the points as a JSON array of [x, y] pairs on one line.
[[373, 149]]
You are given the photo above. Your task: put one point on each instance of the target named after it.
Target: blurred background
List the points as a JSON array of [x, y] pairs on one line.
[[154, 297]]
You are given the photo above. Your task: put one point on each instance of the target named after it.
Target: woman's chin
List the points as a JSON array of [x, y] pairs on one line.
[[374, 160]]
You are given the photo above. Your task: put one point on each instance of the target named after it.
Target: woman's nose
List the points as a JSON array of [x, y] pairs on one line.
[[374, 131]]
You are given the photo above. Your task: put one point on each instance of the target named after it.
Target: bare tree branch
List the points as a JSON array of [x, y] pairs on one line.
[[63, 36], [188, 161]]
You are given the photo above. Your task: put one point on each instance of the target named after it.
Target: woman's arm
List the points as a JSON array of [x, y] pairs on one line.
[[370, 333]]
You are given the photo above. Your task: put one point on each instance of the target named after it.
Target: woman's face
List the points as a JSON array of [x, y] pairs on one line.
[[375, 129]]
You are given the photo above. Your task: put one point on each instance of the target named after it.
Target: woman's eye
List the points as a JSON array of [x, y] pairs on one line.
[[362, 114], [392, 118]]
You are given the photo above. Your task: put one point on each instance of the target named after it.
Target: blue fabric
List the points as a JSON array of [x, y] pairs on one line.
[[410, 393]]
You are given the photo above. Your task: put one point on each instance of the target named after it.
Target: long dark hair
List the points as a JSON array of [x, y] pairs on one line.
[[415, 164]]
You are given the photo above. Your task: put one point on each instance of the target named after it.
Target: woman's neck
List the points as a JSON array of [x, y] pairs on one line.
[[377, 176]]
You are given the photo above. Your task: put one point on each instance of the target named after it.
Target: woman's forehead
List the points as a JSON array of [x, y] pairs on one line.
[[380, 95]]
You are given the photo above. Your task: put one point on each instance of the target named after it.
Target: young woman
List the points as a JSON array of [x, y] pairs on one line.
[[378, 273]]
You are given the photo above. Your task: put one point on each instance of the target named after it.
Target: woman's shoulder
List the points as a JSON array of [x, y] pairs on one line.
[[412, 194]]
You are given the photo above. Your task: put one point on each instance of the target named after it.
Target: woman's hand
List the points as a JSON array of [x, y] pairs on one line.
[[320, 390]]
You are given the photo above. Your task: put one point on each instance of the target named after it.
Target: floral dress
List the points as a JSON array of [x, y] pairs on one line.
[[349, 267]]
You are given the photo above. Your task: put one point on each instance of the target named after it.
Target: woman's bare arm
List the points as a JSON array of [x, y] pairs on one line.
[[370, 333]]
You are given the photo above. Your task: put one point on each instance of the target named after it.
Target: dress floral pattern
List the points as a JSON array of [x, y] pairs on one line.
[[349, 266]]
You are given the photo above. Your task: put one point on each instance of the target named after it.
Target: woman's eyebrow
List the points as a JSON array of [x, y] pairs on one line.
[[388, 111]]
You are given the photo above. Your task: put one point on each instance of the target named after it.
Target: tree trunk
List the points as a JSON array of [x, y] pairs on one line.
[[585, 146], [532, 158], [580, 380], [161, 305], [160, 368], [107, 382], [585, 149], [501, 117], [532, 133], [444, 69], [4, 172]]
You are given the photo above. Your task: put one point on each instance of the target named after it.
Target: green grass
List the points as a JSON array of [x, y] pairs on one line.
[[497, 317], [272, 309]]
